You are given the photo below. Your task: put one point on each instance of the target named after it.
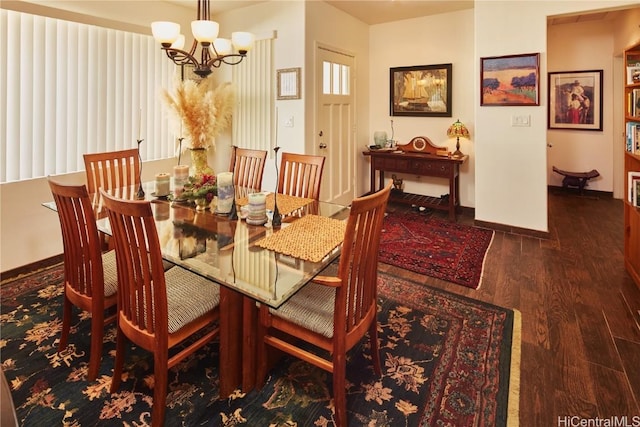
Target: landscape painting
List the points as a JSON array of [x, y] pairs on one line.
[[510, 80]]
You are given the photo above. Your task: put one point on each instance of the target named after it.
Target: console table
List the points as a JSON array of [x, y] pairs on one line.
[[420, 163]]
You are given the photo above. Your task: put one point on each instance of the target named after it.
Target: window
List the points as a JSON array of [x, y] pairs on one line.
[[335, 78], [68, 89]]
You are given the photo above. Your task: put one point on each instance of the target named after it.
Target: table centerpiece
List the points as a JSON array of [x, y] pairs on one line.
[[201, 189], [204, 110]]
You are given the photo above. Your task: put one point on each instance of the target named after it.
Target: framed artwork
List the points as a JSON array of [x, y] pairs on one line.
[[575, 100], [288, 83], [512, 80], [422, 90]]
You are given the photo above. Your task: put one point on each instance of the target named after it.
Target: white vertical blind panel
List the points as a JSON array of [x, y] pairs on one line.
[[253, 84], [26, 97], [69, 89], [50, 74]]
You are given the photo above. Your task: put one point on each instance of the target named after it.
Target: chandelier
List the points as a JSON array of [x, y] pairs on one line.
[[215, 51]]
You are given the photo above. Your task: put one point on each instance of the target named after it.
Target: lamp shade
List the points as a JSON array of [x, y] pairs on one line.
[[222, 46], [165, 32], [242, 40], [458, 130], [205, 31]]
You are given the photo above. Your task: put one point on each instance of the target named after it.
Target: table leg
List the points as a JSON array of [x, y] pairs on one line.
[[453, 197], [249, 346], [231, 305]]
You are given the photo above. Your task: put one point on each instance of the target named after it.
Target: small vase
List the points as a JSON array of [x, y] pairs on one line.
[[202, 204], [199, 162]]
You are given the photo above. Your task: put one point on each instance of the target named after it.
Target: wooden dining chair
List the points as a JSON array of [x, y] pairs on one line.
[[300, 175], [90, 279], [157, 310], [247, 166], [333, 313], [112, 169]]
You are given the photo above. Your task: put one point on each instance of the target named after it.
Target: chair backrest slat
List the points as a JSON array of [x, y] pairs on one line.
[[112, 169], [358, 265], [300, 175], [247, 166], [81, 242], [142, 296]]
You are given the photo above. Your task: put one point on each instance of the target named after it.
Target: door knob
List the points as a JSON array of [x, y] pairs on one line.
[[323, 145]]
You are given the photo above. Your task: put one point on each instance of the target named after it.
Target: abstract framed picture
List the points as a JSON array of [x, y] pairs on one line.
[[422, 91], [288, 83], [512, 80], [575, 100]]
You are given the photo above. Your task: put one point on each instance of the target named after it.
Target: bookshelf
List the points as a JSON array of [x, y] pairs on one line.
[[632, 162]]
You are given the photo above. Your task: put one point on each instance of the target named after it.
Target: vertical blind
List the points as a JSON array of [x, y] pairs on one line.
[[67, 89], [253, 80]]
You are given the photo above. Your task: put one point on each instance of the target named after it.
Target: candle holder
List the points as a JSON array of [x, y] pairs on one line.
[[276, 221], [140, 193]]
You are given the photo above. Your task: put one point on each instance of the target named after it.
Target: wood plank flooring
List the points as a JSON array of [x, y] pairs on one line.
[[580, 352]]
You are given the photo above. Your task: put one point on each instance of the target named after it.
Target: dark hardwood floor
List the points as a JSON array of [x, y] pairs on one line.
[[580, 352]]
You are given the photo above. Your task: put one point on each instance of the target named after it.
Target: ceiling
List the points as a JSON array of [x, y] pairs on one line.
[[367, 11], [380, 11]]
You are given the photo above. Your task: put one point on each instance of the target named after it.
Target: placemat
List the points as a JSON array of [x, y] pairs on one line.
[[286, 203], [309, 238]]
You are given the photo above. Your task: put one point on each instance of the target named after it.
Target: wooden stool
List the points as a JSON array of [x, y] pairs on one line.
[[576, 179]]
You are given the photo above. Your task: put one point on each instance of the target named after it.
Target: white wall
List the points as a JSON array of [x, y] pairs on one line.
[[438, 39], [349, 35], [511, 171], [287, 19]]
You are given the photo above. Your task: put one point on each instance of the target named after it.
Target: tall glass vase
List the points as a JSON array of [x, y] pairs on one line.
[[199, 162]]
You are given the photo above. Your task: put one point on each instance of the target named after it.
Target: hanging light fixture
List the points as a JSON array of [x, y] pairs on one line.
[[215, 51]]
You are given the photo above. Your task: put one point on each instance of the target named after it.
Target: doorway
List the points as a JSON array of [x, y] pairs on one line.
[[335, 123]]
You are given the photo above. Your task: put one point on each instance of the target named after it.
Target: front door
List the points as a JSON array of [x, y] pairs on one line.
[[335, 120]]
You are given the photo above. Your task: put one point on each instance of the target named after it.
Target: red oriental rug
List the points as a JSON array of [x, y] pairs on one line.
[[438, 248]]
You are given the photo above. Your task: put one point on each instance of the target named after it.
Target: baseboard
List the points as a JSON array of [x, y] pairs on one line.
[[512, 230], [30, 268], [569, 191]]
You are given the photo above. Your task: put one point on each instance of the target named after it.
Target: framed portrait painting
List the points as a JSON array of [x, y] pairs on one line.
[[422, 90], [575, 100], [510, 80]]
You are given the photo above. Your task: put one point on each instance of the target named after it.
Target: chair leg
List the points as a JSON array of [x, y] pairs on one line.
[[117, 367], [161, 373], [97, 334], [375, 350], [339, 391], [66, 323]]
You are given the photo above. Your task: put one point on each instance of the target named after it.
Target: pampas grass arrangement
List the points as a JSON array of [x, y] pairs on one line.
[[204, 110]]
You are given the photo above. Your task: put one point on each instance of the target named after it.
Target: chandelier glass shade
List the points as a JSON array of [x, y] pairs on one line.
[[215, 51], [458, 130]]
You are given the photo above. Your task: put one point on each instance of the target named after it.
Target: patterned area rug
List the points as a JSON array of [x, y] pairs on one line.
[[438, 248], [447, 360]]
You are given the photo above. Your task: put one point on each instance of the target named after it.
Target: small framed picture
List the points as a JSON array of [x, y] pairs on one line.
[[511, 80], [575, 100], [422, 90], [288, 80]]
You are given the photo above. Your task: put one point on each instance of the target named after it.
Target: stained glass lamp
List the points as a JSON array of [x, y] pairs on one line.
[[458, 130]]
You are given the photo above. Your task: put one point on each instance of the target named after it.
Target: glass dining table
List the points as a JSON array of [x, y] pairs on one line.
[[229, 252]]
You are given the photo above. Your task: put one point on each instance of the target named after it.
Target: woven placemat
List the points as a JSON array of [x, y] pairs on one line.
[[309, 238], [286, 203]]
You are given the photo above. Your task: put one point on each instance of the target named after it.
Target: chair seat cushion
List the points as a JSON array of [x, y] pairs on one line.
[[189, 296], [312, 308], [110, 272]]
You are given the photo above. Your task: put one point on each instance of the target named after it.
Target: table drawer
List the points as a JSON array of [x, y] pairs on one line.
[[433, 168], [413, 166]]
